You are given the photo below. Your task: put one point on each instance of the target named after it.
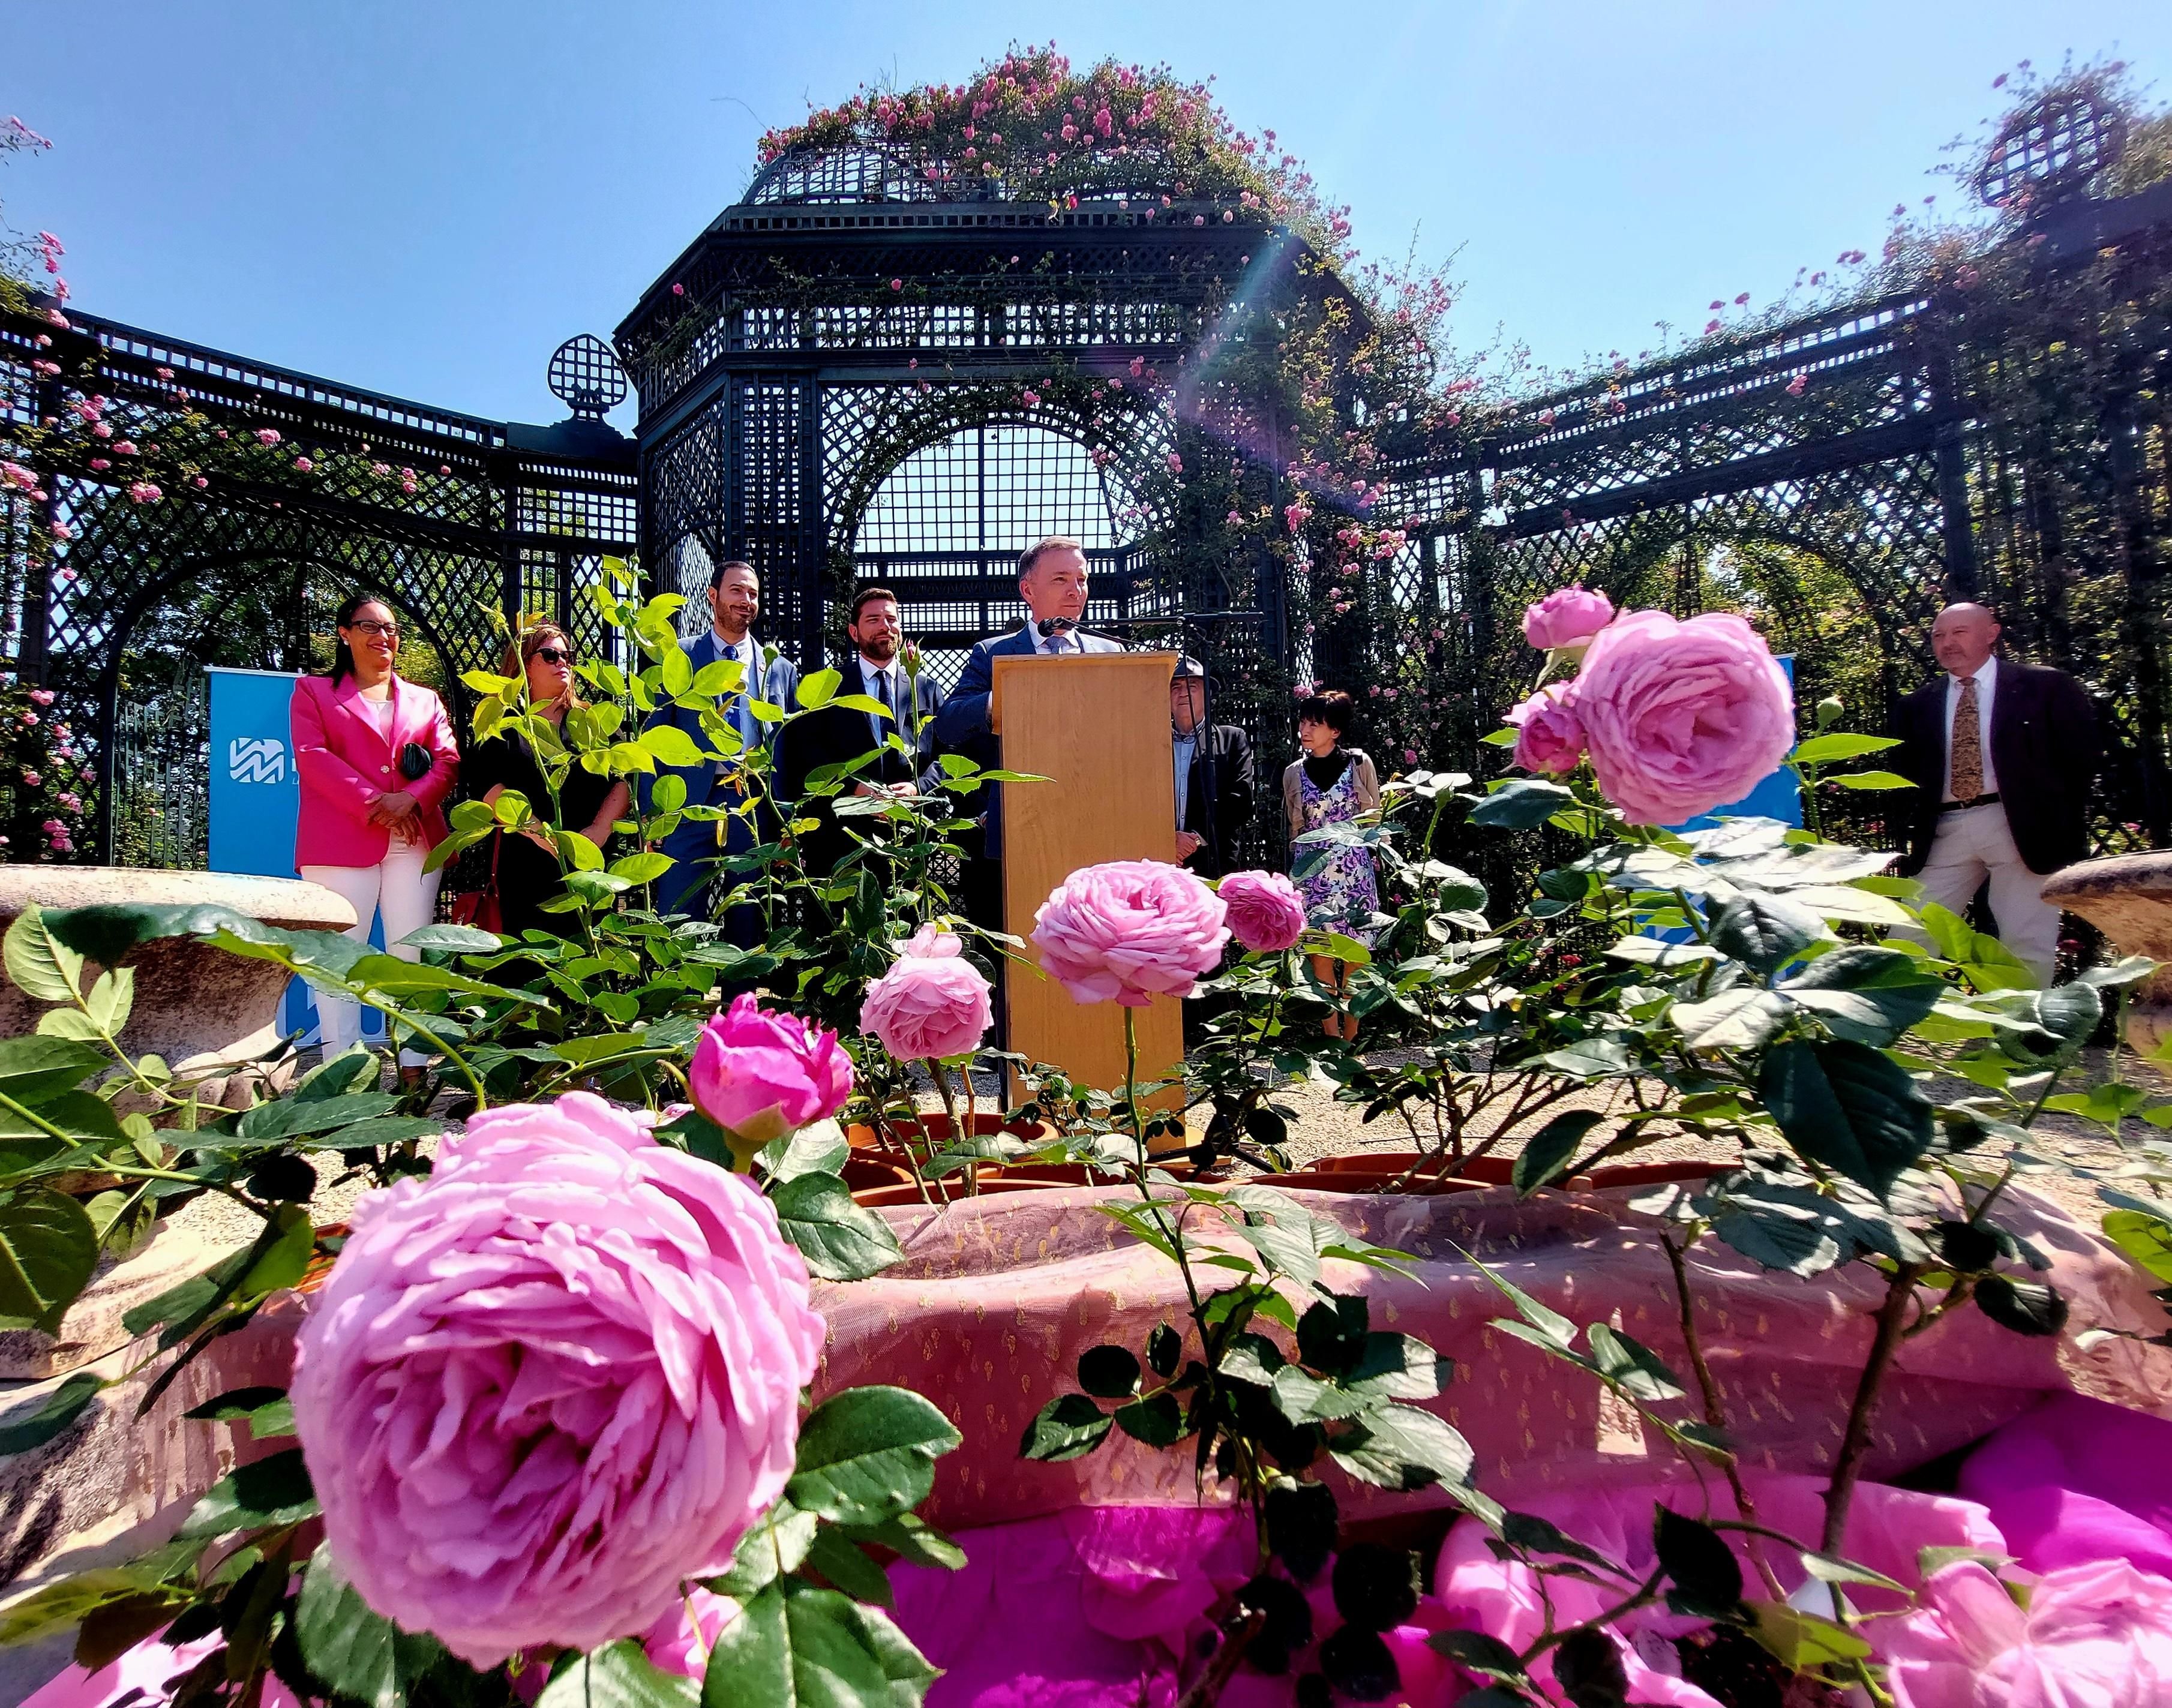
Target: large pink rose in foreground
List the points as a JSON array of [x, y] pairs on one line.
[[2098, 1635], [545, 1385], [1568, 616], [1131, 930], [1549, 739], [932, 1004], [1681, 718], [760, 1075], [1266, 915]]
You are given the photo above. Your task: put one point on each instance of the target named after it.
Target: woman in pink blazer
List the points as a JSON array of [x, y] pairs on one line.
[[376, 758]]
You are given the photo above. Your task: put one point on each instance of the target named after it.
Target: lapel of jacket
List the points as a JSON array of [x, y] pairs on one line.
[[347, 696]]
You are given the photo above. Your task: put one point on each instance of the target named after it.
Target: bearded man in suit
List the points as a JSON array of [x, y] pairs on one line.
[[735, 603], [2002, 754], [1053, 581], [840, 735]]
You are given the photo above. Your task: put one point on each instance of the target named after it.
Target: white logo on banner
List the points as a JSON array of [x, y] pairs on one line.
[[256, 760]]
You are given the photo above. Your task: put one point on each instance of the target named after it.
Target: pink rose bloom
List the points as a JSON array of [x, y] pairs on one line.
[[932, 1004], [1266, 912], [1549, 739], [2098, 1635], [1681, 718], [680, 1640], [760, 1075], [542, 1388], [1568, 616], [1131, 930]]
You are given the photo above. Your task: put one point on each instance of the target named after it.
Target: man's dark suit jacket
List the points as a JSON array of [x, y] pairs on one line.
[[2044, 748], [837, 735], [961, 726], [1233, 797]]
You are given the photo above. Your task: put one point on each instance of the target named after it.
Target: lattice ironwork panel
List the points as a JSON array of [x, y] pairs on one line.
[[288, 485]]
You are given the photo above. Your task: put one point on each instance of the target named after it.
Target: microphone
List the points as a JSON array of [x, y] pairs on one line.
[[1054, 626]]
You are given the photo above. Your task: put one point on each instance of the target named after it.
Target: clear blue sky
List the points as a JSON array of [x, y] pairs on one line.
[[426, 197]]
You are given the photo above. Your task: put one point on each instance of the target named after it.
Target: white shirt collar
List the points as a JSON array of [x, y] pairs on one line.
[[1986, 679]]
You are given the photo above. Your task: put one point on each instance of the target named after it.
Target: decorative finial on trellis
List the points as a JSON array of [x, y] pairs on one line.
[[585, 376]]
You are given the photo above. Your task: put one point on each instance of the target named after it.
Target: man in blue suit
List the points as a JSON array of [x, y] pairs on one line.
[[1053, 581], [735, 603]]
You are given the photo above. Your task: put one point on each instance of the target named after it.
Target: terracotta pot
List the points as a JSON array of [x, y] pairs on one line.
[[1378, 1170]]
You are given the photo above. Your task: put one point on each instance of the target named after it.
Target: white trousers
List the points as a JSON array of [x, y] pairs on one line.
[[1973, 843], [407, 895]]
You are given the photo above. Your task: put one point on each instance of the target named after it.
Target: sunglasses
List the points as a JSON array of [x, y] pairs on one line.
[[551, 655]]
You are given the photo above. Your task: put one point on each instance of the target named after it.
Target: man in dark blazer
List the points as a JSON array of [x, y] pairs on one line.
[[2002, 754], [1053, 581], [735, 603], [1213, 775], [838, 735]]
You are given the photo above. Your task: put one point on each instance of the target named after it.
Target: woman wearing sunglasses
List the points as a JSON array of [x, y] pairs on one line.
[[527, 870], [375, 756]]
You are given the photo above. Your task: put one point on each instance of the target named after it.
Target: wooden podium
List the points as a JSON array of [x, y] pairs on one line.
[[1097, 726]]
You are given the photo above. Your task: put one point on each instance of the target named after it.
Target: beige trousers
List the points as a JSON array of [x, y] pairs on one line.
[[1974, 844]]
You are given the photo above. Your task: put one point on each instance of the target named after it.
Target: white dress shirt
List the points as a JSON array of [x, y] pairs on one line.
[[747, 653], [1063, 644], [886, 683], [1987, 690]]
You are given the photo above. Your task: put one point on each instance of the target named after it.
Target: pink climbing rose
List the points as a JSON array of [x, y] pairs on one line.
[[1131, 930], [933, 1003], [1266, 913], [760, 1075], [1679, 718], [547, 1385], [1568, 616]]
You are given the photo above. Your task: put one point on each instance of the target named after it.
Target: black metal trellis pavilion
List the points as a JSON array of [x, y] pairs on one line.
[[838, 377]]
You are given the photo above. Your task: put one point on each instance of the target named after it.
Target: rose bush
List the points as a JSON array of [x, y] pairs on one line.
[[546, 1385], [1266, 914], [1129, 931]]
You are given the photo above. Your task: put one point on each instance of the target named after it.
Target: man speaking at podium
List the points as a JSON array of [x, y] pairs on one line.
[[1053, 581]]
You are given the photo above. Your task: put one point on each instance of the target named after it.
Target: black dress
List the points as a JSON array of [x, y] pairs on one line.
[[529, 876]]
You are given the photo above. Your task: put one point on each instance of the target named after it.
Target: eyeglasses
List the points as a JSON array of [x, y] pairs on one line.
[[551, 655], [370, 626]]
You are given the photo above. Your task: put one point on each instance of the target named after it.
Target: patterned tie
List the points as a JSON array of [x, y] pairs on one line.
[[1967, 745]]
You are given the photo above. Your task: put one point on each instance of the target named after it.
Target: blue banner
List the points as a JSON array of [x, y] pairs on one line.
[[255, 794], [255, 797]]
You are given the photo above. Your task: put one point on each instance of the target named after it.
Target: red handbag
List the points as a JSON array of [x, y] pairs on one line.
[[479, 907]]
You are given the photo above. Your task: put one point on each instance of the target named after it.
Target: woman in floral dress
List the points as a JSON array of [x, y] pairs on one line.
[[1332, 784]]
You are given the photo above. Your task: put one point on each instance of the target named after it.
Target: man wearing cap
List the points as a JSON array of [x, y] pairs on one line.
[[2002, 754], [1213, 775]]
